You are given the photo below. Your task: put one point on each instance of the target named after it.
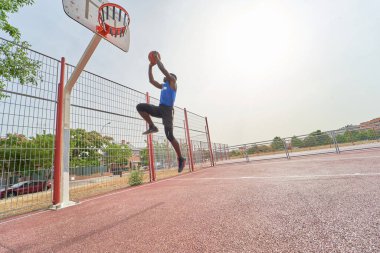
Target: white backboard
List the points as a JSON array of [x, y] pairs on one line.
[[85, 12]]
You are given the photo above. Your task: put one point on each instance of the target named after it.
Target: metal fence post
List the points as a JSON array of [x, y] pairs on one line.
[[286, 149], [189, 141], [337, 150], [152, 170], [216, 153], [203, 155], [209, 143], [246, 153], [58, 155]]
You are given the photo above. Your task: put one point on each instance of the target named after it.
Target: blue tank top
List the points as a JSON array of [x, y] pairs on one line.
[[167, 95]]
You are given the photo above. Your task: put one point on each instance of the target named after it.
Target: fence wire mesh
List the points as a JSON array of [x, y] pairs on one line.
[[106, 144], [165, 156], [106, 141], [106, 135], [199, 140], [27, 133]]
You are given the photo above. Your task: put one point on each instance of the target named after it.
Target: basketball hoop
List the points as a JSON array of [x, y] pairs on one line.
[[113, 20]]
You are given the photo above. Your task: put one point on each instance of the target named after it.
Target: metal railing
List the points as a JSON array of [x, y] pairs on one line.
[[316, 143]]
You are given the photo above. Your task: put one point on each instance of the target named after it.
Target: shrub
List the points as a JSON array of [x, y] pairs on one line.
[[136, 178]]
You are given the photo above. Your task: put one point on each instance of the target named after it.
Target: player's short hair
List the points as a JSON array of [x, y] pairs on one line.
[[174, 76]]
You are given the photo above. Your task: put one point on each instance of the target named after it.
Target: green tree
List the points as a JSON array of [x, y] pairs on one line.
[[317, 138], [255, 149], [341, 138], [85, 147], [296, 142], [119, 154], [14, 63], [252, 150], [260, 149], [25, 155], [372, 134], [310, 141], [323, 138], [43, 150], [11, 155], [353, 136], [277, 143], [144, 157]]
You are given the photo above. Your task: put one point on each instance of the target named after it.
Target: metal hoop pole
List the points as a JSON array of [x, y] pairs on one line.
[[59, 137], [65, 175]]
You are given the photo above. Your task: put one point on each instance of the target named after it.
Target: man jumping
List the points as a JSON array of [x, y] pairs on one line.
[[165, 109]]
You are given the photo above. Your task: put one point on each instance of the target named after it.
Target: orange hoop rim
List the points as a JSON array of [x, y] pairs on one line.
[[104, 29]]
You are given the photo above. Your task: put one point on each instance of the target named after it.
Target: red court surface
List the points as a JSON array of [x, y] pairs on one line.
[[327, 203]]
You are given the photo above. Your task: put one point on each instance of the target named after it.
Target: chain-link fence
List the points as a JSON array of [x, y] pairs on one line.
[[106, 141], [27, 133]]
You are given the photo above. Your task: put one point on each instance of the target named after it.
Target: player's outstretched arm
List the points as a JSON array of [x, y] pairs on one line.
[[166, 73], [151, 78]]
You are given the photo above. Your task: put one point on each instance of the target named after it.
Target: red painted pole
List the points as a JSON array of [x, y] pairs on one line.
[[58, 158], [151, 150], [209, 144], [188, 146], [148, 147], [189, 141]]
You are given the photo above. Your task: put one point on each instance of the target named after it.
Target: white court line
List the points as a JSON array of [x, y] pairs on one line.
[[24, 216], [280, 177]]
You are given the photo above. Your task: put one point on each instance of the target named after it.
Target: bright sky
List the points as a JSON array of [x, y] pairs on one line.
[[257, 69]]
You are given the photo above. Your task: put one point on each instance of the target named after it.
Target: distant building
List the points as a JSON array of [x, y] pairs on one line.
[[372, 124], [135, 160]]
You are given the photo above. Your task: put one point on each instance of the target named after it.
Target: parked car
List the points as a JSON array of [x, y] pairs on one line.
[[25, 187]]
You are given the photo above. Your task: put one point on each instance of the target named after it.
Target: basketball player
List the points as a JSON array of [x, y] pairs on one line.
[[165, 109]]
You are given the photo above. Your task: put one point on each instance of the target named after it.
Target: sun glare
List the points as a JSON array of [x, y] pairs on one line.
[[258, 36]]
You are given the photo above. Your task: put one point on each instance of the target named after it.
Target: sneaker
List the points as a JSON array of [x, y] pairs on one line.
[[181, 164], [151, 130]]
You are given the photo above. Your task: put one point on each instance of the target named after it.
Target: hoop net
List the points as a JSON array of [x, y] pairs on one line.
[[113, 20]]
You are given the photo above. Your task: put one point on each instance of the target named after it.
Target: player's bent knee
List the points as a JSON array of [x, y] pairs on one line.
[[169, 134], [140, 107]]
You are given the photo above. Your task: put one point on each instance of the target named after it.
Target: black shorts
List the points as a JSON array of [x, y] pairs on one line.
[[164, 112]]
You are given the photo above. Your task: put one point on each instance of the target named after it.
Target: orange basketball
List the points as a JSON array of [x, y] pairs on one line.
[[152, 59]]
